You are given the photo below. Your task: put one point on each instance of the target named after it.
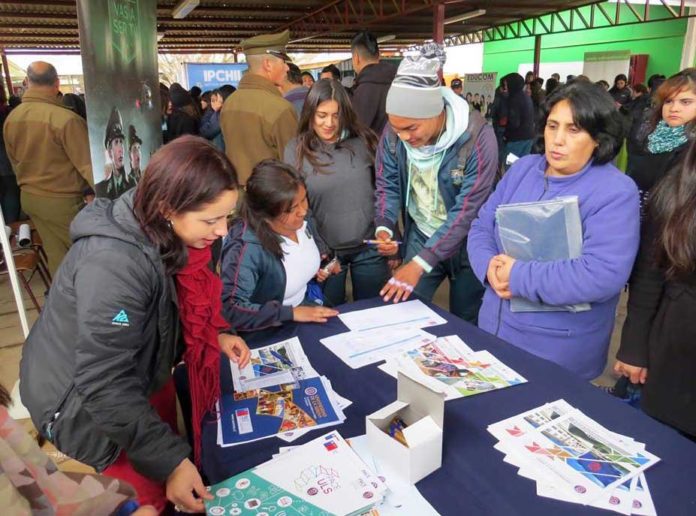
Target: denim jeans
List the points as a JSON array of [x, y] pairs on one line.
[[368, 272], [466, 292]]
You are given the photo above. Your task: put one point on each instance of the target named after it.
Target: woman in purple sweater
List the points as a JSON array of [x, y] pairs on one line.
[[581, 134]]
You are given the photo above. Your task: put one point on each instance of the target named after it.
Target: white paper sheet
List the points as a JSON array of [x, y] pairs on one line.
[[411, 313], [360, 348]]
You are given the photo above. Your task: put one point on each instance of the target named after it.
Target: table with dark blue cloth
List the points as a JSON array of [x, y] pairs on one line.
[[473, 478]]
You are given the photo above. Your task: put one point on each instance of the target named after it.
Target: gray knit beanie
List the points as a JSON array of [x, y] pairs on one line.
[[415, 91]]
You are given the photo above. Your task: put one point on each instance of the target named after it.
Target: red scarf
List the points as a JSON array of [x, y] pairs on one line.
[[200, 305]]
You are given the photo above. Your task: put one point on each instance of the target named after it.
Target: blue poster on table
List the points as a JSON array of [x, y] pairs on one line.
[[210, 76], [262, 413]]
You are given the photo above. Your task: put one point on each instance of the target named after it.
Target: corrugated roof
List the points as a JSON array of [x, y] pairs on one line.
[[315, 25]]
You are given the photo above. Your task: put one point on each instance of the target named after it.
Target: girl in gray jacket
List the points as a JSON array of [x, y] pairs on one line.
[[335, 152]]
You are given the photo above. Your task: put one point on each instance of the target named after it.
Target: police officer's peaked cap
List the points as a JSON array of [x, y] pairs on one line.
[[114, 128], [133, 137], [273, 44]]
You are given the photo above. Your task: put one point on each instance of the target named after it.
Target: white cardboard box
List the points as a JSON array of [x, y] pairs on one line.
[[422, 408]]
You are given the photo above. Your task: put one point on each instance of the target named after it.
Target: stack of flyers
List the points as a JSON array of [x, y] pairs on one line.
[[401, 498], [296, 407], [276, 364], [323, 477], [449, 364], [572, 458], [277, 393]]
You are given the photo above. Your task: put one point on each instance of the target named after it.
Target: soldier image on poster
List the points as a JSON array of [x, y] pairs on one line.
[[119, 59], [115, 181], [134, 149]]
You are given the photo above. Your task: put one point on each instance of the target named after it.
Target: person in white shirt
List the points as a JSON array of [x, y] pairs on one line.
[[270, 257]]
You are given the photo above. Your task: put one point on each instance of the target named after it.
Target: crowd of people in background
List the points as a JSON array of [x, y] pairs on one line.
[[393, 183]]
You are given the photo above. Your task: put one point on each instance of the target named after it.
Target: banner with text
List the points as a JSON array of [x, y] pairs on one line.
[[210, 76], [118, 43]]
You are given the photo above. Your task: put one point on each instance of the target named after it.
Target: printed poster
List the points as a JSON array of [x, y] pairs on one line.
[[479, 90], [118, 41]]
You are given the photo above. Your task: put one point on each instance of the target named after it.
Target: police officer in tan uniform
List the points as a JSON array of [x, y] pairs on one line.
[[256, 121]]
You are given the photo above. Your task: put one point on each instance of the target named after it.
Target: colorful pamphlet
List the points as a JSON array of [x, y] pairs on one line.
[[573, 458], [450, 365], [276, 364], [253, 415]]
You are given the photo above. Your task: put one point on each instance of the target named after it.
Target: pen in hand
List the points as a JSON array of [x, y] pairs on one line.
[[378, 242]]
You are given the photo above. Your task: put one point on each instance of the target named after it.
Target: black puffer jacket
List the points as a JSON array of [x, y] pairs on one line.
[[107, 339]]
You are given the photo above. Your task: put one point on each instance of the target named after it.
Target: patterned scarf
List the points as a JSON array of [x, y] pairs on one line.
[[200, 306], [665, 138]]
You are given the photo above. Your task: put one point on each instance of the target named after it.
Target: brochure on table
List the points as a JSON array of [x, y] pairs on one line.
[[276, 364], [255, 415], [448, 363], [324, 476], [422, 408], [573, 458]]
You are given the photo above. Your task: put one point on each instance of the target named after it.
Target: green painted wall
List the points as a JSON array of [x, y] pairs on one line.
[[661, 40]]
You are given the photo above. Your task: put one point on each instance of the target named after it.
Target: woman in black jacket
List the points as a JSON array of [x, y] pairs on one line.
[[519, 131], [184, 118], [658, 343], [664, 138], [96, 369], [621, 91]]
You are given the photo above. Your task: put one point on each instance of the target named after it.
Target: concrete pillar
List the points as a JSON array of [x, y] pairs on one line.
[[6, 69], [439, 23], [689, 49], [537, 55]]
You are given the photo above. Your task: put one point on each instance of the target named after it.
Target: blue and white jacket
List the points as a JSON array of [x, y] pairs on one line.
[[464, 186]]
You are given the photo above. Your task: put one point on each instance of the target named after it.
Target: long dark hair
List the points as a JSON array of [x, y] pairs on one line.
[[270, 192], [182, 176], [673, 208], [308, 143], [672, 86], [593, 111]]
